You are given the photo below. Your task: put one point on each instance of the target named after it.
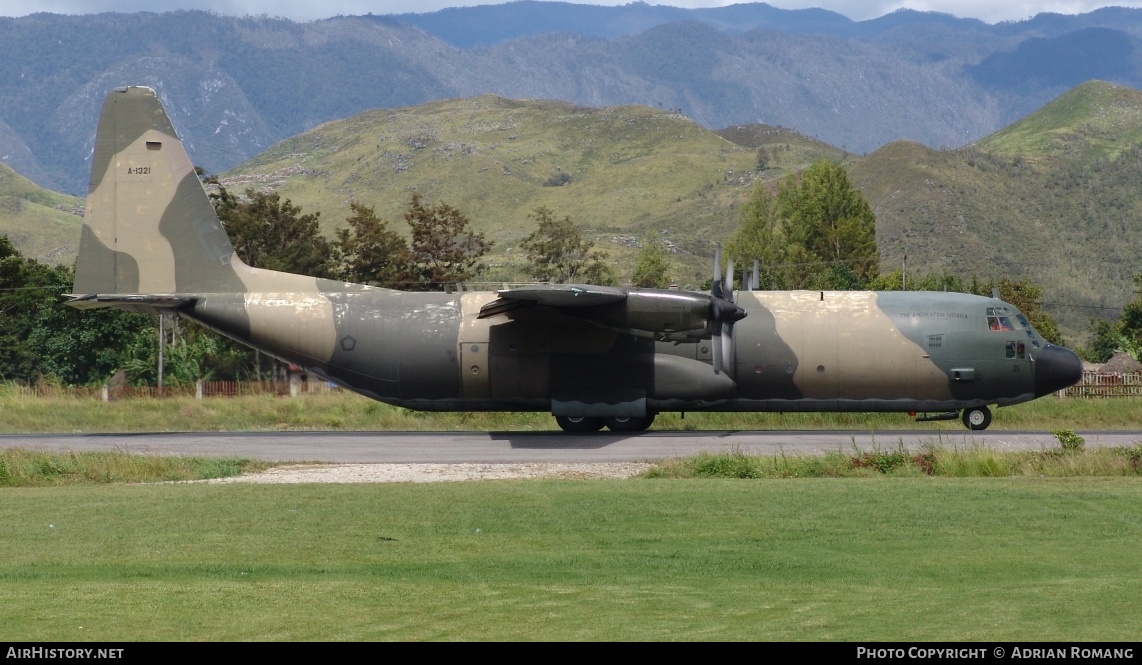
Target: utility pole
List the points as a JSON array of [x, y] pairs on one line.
[[162, 343]]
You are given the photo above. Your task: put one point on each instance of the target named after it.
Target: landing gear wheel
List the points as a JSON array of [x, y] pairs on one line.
[[621, 424], [579, 424], [977, 419]]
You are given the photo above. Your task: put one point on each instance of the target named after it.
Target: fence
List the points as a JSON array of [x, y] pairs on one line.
[[1105, 385], [201, 389]]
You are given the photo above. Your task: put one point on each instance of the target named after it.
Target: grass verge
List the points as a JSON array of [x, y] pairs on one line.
[[20, 467], [974, 462]]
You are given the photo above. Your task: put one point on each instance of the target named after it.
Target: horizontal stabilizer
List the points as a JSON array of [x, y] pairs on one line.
[[132, 302]]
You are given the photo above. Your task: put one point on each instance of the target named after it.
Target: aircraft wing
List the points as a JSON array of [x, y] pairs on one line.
[[558, 296], [658, 313]]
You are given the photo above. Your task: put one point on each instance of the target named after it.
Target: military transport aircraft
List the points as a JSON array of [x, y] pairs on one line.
[[592, 356]]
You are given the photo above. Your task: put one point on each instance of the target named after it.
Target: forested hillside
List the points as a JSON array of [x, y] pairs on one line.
[[1053, 197]]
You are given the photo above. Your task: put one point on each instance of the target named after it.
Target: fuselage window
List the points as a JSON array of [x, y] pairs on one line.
[[1016, 350]]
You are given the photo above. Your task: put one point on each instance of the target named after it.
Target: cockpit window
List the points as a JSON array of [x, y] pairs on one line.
[[999, 323], [1000, 319]]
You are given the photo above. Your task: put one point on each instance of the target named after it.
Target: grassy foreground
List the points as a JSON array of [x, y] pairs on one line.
[[346, 411], [1013, 559]]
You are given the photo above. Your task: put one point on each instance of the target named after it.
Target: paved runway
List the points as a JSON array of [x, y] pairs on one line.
[[523, 447]]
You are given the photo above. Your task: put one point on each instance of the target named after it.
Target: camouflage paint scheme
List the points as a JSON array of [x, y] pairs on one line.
[[590, 355]]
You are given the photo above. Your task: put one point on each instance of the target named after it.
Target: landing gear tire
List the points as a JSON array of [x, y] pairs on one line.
[[629, 424], [977, 419], [579, 424]]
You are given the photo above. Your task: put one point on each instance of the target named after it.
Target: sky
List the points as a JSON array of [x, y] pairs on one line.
[[991, 11]]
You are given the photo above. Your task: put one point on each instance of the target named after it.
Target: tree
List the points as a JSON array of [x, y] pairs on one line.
[[759, 237], [817, 231], [443, 249], [43, 339], [651, 269], [370, 253], [823, 213], [269, 233], [557, 252], [1131, 325], [762, 159], [1105, 341]]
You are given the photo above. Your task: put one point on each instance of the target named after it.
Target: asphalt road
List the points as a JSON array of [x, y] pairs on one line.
[[524, 447]]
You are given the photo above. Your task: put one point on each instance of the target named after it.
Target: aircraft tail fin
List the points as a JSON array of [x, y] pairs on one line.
[[149, 227]]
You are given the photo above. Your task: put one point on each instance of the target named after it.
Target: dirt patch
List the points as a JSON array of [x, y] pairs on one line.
[[433, 473]]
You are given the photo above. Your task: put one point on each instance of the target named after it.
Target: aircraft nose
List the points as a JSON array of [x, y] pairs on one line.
[[1056, 368]]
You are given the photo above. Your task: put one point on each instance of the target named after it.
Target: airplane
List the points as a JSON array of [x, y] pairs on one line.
[[592, 356]]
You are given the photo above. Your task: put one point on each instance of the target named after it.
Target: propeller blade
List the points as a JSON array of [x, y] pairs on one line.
[[716, 283], [729, 287], [755, 282], [727, 345], [716, 342]]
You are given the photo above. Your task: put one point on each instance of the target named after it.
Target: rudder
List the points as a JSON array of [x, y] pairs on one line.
[[149, 227]]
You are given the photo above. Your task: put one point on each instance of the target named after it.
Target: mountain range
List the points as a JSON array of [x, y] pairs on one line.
[[236, 86]]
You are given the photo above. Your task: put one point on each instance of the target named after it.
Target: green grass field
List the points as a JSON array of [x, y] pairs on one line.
[[809, 559], [24, 413]]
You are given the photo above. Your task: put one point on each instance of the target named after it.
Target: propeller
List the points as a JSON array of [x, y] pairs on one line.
[[723, 313]]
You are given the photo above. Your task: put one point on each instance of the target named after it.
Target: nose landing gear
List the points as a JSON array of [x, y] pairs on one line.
[[977, 418]]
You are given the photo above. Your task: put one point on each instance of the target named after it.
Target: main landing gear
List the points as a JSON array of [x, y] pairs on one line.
[[580, 424]]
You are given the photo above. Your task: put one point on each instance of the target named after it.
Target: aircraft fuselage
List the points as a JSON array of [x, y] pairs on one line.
[[794, 351]]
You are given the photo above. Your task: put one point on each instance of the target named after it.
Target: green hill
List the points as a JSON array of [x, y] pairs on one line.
[[626, 174], [42, 224], [1095, 119], [1053, 198]]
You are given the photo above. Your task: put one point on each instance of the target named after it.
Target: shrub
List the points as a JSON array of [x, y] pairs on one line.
[[1070, 441]]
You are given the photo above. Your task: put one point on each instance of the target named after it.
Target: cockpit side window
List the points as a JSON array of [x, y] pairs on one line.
[[1016, 350]]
